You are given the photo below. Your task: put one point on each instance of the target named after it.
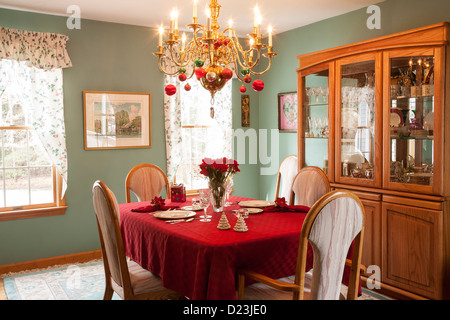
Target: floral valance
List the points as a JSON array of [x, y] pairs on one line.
[[42, 50]]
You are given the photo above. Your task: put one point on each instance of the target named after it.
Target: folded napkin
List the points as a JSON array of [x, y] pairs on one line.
[[294, 208], [153, 208]]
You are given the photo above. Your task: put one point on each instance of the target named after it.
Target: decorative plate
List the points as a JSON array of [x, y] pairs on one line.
[[256, 203], [396, 118], [174, 214]]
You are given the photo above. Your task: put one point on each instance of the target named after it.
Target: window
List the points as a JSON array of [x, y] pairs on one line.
[[29, 183], [198, 135]]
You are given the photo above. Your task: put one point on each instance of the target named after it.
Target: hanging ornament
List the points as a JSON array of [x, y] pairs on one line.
[[199, 63], [247, 79], [170, 89], [187, 87], [227, 74], [200, 73], [242, 89], [211, 76], [245, 72], [182, 70], [182, 77], [258, 85]]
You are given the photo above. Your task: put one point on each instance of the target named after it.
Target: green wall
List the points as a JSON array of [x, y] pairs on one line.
[[110, 57], [117, 57], [396, 16]]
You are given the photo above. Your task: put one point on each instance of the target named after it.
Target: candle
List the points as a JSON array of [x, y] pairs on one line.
[[176, 19], [208, 19], [195, 9], [172, 18], [183, 41], [270, 36], [230, 25], [161, 31], [255, 19]]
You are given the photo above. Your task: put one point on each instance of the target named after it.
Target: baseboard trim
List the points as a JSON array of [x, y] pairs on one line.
[[49, 262], [393, 292]]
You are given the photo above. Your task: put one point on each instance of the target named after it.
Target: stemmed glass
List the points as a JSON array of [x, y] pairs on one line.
[[204, 201], [228, 189]]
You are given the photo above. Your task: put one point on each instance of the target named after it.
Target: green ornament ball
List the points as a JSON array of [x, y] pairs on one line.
[[245, 72], [199, 63]]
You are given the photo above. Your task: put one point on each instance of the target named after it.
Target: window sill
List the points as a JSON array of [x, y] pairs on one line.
[[32, 213]]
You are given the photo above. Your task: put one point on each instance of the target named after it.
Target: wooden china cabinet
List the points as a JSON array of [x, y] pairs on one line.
[[375, 115]]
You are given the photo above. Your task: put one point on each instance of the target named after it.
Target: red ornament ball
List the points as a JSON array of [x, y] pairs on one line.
[[200, 73], [247, 79], [170, 89], [227, 74], [182, 77], [242, 89], [187, 87], [258, 85]]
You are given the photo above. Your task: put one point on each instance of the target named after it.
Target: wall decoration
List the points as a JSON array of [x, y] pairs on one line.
[[245, 111], [287, 112], [116, 120]]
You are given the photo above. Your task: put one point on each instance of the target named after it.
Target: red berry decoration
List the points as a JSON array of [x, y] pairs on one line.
[[200, 73], [242, 89], [182, 77], [247, 79], [187, 87], [227, 74], [258, 85], [170, 89]]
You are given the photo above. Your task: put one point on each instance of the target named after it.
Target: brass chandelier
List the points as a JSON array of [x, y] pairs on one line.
[[211, 55]]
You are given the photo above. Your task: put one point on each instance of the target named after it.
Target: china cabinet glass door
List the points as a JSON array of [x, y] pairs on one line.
[[358, 123], [316, 120], [411, 102]]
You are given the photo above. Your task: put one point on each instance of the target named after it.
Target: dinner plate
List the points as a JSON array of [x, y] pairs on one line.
[[254, 210], [256, 203], [174, 214], [192, 208]]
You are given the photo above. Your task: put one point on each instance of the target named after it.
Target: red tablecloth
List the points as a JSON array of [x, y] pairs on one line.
[[199, 261]]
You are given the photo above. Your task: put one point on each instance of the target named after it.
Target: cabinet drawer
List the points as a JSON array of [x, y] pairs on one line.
[[433, 205]]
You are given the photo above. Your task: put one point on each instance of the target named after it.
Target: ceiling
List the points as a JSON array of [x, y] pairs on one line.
[[283, 15]]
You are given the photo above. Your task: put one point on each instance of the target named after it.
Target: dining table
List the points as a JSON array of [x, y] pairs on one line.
[[200, 261]]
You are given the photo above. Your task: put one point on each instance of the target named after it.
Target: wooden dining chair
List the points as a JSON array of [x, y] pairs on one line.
[[146, 181], [333, 223], [286, 173], [308, 186], [127, 278]]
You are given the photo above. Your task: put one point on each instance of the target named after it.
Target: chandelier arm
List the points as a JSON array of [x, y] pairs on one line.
[[236, 72], [260, 73], [179, 64], [164, 71]]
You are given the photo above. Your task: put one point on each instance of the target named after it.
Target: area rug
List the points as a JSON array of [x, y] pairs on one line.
[[73, 282], [77, 282]]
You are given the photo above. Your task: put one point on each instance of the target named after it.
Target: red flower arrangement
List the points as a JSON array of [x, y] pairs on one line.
[[218, 171]]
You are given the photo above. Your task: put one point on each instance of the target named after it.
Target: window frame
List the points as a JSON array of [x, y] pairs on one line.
[[57, 207]]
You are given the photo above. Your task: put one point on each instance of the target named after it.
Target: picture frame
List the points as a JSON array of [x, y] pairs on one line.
[[116, 120], [287, 112]]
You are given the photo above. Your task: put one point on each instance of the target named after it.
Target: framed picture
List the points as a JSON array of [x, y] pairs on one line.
[[287, 112], [116, 120]]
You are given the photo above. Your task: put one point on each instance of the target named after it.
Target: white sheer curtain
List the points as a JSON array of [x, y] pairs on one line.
[[191, 133], [31, 73]]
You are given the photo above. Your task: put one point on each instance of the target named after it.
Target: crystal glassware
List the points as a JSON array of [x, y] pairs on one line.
[[205, 199]]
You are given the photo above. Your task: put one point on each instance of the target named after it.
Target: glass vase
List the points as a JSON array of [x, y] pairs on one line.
[[217, 193]]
